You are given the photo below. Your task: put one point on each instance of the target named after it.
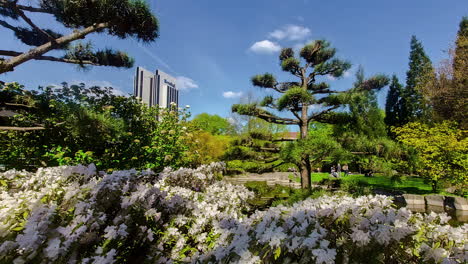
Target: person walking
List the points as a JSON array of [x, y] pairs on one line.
[[346, 170], [333, 171], [338, 170]]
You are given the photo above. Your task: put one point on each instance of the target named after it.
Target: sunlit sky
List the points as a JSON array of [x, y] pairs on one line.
[[214, 47]]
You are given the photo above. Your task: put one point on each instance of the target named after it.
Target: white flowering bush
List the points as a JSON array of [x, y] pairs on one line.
[[75, 214], [338, 229]]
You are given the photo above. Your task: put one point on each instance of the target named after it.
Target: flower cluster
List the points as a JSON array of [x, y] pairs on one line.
[[340, 229], [76, 214]]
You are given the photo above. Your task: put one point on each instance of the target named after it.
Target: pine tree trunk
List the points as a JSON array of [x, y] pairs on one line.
[[304, 126], [305, 162], [305, 173]]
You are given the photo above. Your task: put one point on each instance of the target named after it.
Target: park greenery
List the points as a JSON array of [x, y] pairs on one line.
[[90, 176]]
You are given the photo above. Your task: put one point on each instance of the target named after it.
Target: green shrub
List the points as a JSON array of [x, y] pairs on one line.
[[260, 188], [330, 183], [356, 187]]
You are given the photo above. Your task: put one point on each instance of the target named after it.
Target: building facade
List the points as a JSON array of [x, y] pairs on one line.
[[155, 88]]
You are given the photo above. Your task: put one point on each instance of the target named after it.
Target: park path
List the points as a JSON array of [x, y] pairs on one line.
[[271, 179]]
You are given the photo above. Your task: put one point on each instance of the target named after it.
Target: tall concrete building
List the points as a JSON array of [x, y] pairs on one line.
[[155, 88]]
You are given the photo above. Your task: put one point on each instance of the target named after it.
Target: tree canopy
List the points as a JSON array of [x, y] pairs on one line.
[[120, 18], [214, 124], [306, 98], [442, 149]]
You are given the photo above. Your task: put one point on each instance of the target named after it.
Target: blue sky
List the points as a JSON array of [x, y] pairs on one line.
[[214, 47]]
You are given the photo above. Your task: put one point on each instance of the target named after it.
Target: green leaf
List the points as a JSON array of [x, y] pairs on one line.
[[4, 183], [18, 228], [277, 253]]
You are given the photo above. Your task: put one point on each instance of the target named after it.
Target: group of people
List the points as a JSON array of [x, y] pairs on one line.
[[336, 171]]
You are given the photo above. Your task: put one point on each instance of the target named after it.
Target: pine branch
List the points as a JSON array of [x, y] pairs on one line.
[[49, 58], [10, 64], [253, 110], [9, 4], [30, 23]]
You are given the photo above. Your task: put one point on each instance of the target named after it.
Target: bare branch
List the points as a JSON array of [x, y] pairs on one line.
[[19, 105], [328, 92], [318, 115], [30, 23], [21, 128], [276, 119], [295, 114], [48, 58], [6, 25], [283, 139]]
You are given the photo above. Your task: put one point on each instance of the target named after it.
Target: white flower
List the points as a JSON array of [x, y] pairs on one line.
[[53, 248]]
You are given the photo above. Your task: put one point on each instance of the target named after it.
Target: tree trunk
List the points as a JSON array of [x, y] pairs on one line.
[[304, 126], [305, 162], [305, 173]]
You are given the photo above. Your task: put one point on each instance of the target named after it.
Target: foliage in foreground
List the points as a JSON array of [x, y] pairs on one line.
[[91, 125], [79, 215]]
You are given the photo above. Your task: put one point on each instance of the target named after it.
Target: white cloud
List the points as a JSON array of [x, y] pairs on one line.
[[231, 94], [185, 83], [265, 46], [347, 73], [290, 32]]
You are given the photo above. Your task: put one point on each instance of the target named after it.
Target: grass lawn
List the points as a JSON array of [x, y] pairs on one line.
[[408, 184]]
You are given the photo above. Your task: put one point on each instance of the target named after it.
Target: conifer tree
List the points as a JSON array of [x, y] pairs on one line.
[[306, 98], [420, 73], [393, 103], [120, 18], [460, 75], [366, 117]]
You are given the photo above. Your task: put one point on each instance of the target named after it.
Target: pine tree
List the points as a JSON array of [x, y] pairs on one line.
[[393, 103], [367, 118], [460, 75], [306, 99], [420, 73], [120, 18]]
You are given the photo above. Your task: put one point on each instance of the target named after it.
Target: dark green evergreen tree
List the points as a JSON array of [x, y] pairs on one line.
[[460, 76], [305, 98], [420, 73], [120, 18], [393, 103], [367, 118]]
